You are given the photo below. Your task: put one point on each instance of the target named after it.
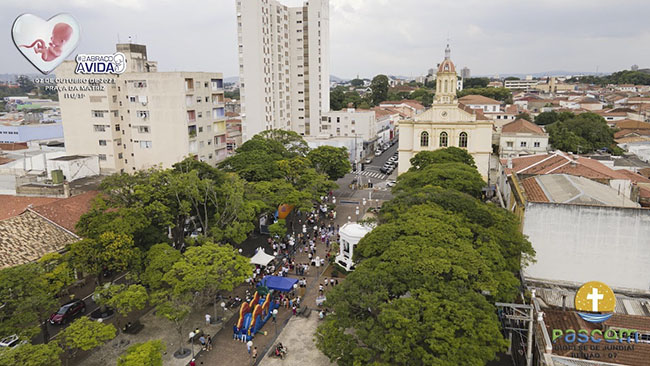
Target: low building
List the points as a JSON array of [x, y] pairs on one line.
[[520, 84], [407, 107], [31, 227], [351, 234], [487, 105], [521, 138], [579, 227], [358, 124]]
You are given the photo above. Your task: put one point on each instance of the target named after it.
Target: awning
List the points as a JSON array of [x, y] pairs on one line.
[[261, 258], [284, 284]]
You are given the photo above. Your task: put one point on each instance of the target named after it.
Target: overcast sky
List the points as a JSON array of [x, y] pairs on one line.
[[396, 37]]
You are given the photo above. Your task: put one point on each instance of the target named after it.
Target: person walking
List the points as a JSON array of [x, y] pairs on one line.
[[254, 354], [249, 345], [202, 340], [209, 342]]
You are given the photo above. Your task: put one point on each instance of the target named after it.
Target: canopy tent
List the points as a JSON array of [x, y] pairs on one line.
[[261, 258], [284, 284]]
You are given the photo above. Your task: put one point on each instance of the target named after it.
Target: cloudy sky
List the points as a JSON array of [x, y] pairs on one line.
[[403, 37]]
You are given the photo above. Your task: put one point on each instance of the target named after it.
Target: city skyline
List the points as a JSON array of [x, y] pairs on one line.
[[491, 39]]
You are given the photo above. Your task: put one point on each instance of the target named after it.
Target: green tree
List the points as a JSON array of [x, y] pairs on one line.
[[458, 176], [356, 82], [32, 355], [447, 155], [278, 228], [143, 354], [124, 299], [159, 260], [57, 271], [424, 96], [379, 86], [330, 160], [293, 143], [583, 133], [472, 83], [25, 83], [546, 118], [84, 334], [27, 300], [337, 98], [111, 251], [512, 78], [206, 270]]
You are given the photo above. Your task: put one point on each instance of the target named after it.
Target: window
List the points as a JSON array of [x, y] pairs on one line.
[[200, 129], [143, 129], [462, 139], [509, 143], [99, 128], [424, 139], [198, 99], [102, 157], [522, 144], [114, 98], [98, 114], [444, 139], [142, 114], [120, 156], [102, 142], [536, 144], [132, 99], [117, 127], [145, 144]]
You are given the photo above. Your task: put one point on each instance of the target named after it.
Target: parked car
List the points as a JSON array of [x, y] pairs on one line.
[[11, 341], [68, 311], [390, 183], [383, 170], [367, 161], [378, 152]]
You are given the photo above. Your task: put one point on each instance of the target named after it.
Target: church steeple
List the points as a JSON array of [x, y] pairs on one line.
[[446, 80]]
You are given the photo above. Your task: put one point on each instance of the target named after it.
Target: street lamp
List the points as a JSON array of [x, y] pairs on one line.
[[223, 307], [357, 212], [275, 314], [192, 334]]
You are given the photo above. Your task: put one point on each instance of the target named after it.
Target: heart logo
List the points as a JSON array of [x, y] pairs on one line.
[[46, 43]]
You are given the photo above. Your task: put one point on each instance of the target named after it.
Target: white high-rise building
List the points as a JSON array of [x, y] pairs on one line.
[[283, 65]]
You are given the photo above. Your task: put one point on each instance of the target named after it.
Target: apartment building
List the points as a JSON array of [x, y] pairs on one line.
[[145, 118], [283, 65]]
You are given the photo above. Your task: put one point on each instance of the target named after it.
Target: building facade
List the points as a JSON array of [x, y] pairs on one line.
[[146, 118], [446, 123], [283, 65]]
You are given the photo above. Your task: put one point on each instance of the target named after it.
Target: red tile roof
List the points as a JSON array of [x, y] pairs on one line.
[[521, 125], [13, 146], [533, 191], [68, 211], [560, 163], [477, 99], [632, 124], [634, 177], [11, 206], [631, 132]]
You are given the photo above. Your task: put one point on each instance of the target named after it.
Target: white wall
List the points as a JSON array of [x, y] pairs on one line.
[[589, 243]]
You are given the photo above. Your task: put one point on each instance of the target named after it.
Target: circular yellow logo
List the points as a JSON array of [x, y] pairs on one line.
[[595, 296]]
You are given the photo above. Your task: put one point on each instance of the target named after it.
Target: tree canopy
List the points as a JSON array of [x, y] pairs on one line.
[[330, 160], [547, 118], [32, 355], [447, 155], [582, 133], [474, 83], [143, 354], [84, 334], [426, 277], [379, 86], [620, 77]]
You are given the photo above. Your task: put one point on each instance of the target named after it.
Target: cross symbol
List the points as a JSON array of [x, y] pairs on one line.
[[594, 296]]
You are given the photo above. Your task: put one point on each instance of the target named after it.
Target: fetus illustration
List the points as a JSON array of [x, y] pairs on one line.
[[60, 35]]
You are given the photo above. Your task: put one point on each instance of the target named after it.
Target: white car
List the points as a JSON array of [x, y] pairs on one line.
[[11, 341], [390, 183]]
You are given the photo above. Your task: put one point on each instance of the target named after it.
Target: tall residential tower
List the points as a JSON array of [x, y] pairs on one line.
[[283, 65]]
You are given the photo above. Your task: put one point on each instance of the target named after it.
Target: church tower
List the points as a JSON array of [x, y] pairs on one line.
[[446, 81]]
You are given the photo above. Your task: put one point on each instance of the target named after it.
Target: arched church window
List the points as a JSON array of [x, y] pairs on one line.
[[444, 139], [424, 139], [462, 139]]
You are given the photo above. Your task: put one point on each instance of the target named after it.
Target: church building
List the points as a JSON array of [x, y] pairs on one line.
[[446, 123]]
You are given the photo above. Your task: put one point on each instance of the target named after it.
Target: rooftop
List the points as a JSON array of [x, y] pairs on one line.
[[477, 99], [569, 189], [521, 125]]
